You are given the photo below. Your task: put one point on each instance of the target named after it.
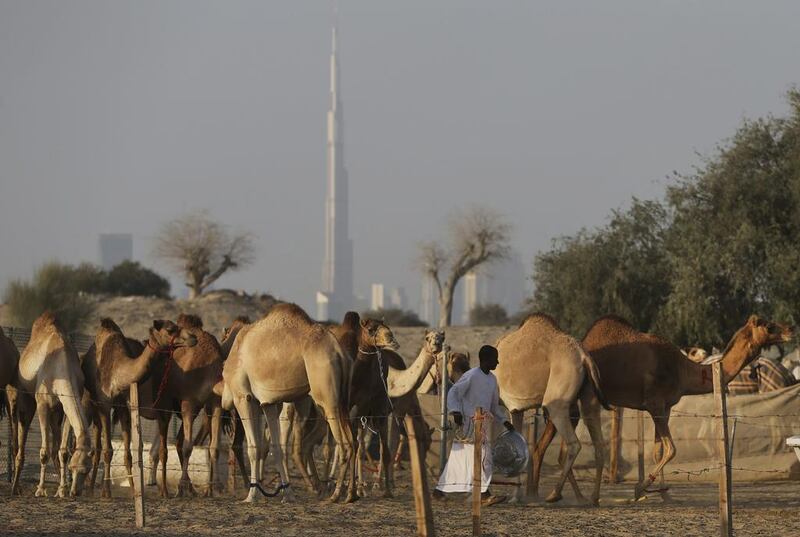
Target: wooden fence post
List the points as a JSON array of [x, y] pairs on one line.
[[136, 440], [616, 444], [725, 490], [445, 385], [419, 478], [640, 443], [476, 472]]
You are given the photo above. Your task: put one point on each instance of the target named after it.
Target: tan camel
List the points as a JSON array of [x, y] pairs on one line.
[[50, 370], [542, 366], [111, 365], [283, 357], [645, 372], [381, 384]]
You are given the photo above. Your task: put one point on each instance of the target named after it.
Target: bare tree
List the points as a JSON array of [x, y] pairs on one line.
[[476, 236], [202, 249]]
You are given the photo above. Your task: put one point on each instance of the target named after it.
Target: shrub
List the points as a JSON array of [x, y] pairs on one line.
[[130, 278], [52, 288], [488, 315], [395, 317]]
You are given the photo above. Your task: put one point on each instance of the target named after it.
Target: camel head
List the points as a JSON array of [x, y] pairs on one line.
[[763, 333], [166, 334], [234, 328], [376, 334], [457, 365], [696, 354], [434, 341]]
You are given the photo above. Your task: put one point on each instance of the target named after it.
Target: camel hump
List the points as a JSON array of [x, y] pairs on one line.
[[188, 320], [540, 318], [108, 324], [46, 320], [351, 320], [288, 314]]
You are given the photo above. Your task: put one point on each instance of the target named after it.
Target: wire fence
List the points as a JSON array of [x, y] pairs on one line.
[[780, 424]]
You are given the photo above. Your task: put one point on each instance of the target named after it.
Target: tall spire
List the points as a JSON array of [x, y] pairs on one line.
[[336, 295]]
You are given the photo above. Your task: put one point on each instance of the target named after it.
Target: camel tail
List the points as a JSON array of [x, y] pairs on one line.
[[593, 378]]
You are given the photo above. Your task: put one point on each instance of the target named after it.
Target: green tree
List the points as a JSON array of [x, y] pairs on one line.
[[733, 247], [52, 288], [395, 317], [620, 268], [488, 315], [130, 278]]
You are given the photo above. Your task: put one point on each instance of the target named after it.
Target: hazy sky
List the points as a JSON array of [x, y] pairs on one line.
[[117, 116]]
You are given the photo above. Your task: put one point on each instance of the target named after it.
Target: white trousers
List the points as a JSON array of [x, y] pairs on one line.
[[457, 475]]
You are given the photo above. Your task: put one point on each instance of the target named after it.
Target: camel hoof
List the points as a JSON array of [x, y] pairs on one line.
[[553, 497], [61, 492], [40, 492], [351, 498], [251, 498], [638, 491], [362, 491], [185, 490], [288, 497]]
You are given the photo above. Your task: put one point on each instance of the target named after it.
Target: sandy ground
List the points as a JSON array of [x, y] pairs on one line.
[[761, 508]]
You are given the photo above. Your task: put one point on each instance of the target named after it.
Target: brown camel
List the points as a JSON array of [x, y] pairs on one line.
[[9, 360], [50, 374], [281, 358], [542, 366], [189, 384], [645, 372], [111, 365]]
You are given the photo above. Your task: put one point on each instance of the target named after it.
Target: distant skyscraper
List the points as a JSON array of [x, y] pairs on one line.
[[336, 295], [377, 301], [502, 282], [114, 248], [475, 293], [428, 302], [397, 298]]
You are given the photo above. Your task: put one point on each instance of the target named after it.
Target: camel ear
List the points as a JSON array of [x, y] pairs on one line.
[[158, 324], [363, 323], [753, 320]]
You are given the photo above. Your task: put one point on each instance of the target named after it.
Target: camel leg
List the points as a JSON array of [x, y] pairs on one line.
[[661, 422], [343, 435], [538, 456], [185, 485], [286, 423], [590, 411], [79, 462], [108, 451], [125, 426], [237, 446], [213, 445], [24, 410], [559, 416], [153, 455], [60, 455], [43, 413], [517, 421], [96, 452], [658, 454], [359, 462], [163, 430], [299, 416], [386, 458], [251, 421], [273, 423]]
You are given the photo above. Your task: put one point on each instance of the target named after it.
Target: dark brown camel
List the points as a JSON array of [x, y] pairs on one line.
[[645, 372]]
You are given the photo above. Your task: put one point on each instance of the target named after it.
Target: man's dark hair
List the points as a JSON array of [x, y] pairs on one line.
[[487, 352]]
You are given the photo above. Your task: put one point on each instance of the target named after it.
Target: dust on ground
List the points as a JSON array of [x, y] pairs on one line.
[[760, 508]]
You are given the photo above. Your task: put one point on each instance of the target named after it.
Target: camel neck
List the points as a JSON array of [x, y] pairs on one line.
[[699, 378]]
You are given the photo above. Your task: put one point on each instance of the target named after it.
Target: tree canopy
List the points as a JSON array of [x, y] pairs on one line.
[[722, 245]]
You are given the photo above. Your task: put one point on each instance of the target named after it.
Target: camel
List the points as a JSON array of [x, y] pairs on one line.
[[9, 360], [540, 365], [381, 384], [281, 358], [110, 366], [645, 372], [50, 373]]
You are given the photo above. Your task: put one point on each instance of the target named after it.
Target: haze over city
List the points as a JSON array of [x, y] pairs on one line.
[[118, 117]]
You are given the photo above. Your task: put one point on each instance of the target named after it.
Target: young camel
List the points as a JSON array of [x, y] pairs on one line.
[[50, 373], [645, 372], [110, 366], [540, 365], [9, 362], [283, 357]]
